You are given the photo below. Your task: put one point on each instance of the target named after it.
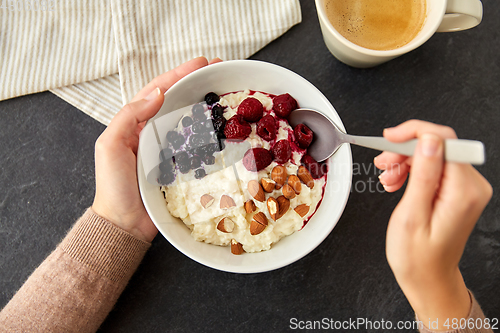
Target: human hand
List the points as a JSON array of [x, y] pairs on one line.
[[429, 227], [117, 197]]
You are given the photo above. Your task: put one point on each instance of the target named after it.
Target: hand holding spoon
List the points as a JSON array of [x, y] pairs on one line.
[[330, 138]]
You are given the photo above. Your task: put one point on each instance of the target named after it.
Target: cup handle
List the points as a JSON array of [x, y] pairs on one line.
[[461, 15]]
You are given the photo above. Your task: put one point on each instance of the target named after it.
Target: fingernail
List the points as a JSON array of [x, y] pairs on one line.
[[429, 144], [381, 179], [152, 95]]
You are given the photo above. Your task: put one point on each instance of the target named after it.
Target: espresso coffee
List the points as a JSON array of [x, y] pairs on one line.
[[377, 24]]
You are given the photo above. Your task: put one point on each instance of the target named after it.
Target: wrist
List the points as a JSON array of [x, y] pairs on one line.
[[131, 223], [438, 299]]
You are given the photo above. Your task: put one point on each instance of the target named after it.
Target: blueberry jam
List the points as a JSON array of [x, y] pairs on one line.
[[211, 98], [194, 145]]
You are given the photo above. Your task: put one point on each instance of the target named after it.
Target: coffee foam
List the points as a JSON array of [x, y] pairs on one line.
[[377, 24]]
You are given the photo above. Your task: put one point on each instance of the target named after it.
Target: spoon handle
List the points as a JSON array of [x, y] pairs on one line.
[[455, 150]]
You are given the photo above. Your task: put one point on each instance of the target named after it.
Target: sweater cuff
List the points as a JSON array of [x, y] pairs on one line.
[[105, 248], [474, 313]]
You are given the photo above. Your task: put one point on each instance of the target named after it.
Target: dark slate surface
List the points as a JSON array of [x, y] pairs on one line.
[[47, 180]]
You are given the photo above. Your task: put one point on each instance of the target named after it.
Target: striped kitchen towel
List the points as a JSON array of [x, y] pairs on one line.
[[96, 54]]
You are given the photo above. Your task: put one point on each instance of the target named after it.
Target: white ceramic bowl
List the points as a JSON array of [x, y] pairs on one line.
[[254, 75]]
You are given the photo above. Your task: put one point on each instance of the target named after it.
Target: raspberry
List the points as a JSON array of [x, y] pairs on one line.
[[266, 128], [237, 128], [317, 170], [256, 159], [303, 135], [251, 109], [282, 151], [283, 105]]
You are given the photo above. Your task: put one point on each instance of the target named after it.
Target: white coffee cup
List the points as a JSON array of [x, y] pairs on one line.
[[441, 16]]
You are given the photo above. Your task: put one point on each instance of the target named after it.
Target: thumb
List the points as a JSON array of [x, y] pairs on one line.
[[425, 174], [125, 122]]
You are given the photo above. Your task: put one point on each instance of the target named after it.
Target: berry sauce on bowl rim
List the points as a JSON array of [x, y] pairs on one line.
[[255, 76]]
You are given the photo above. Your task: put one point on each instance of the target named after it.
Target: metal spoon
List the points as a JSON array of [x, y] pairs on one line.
[[328, 138]]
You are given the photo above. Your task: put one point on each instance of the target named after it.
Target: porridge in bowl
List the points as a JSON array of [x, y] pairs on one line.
[[237, 174]]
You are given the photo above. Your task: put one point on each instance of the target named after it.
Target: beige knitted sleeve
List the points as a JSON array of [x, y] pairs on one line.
[[476, 318], [75, 288]]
